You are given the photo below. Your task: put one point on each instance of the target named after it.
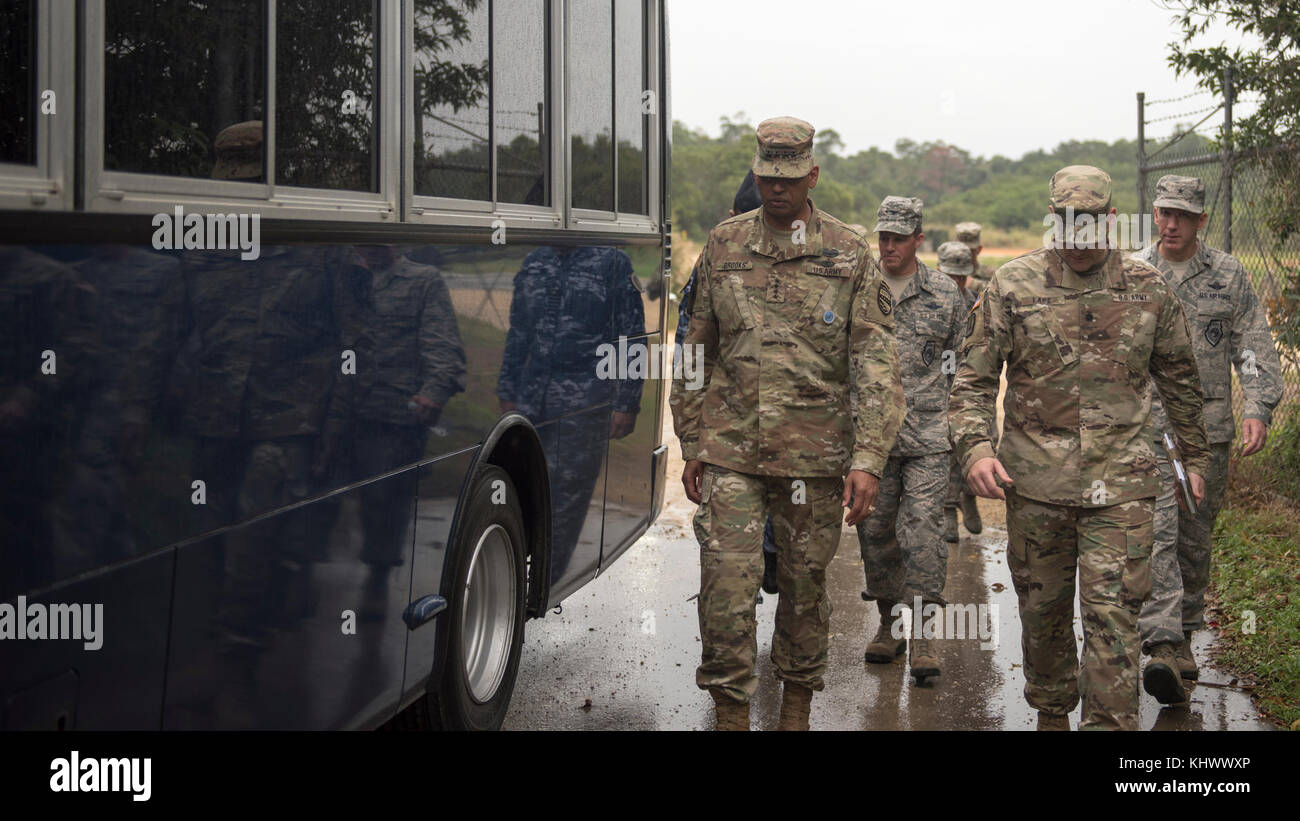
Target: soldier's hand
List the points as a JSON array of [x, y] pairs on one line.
[[621, 424], [1197, 483], [984, 476], [860, 489], [693, 480], [426, 411], [1253, 435]]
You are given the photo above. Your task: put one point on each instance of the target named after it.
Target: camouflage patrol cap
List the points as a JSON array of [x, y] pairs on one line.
[[969, 233], [899, 215], [784, 148], [955, 258], [239, 152], [1081, 187], [1182, 193]]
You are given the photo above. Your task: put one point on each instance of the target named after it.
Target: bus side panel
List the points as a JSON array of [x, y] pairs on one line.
[[629, 491], [111, 675], [295, 620]]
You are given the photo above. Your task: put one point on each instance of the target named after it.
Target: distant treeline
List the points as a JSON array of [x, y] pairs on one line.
[[1009, 197]]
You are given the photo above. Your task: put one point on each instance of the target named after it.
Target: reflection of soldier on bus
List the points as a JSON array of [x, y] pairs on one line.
[[415, 364], [567, 303]]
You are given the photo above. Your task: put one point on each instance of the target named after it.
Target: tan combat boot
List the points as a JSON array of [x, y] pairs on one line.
[[1187, 662], [925, 659], [1160, 679], [950, 525], [796, 704], [732, 716], [884, 648], [970, 513], [1049, 721]]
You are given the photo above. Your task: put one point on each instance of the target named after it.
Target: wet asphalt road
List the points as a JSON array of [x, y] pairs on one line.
[[622, 654]]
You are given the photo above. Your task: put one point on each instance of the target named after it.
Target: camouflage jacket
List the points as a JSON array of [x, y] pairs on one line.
[[417, 347], [1080, 353], [566, 305], [784, 330], [264, 340], [929, 317], [1229, 328], [977, 281]]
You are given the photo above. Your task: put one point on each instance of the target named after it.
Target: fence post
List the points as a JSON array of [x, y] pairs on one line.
[[1142, 154], [1228, 94]]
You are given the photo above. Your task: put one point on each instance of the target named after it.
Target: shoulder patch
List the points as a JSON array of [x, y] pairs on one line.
[[884, 299]]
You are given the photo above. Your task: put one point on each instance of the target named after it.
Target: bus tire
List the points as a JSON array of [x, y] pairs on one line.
[[485, 616]]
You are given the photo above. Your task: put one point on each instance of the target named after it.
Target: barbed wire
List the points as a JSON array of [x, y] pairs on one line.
[[1178, 99], [1192, 113]]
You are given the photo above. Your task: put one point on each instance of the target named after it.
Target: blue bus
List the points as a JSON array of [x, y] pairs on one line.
[[307, 310]]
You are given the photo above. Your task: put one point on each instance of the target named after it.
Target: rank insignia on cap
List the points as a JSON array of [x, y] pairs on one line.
[[884, 300]]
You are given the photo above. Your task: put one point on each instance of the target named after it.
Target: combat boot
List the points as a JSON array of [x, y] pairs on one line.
[[970, 513], [1160, 679], [925, 660], [950, 525], [731, 715], [884, 648], [1051, 721], [796, 704], [1186, 661]]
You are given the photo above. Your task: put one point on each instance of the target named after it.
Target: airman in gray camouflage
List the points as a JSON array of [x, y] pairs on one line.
[[790, 312], [903, 551], [1083, 333], [1229, 329], [968, 234]]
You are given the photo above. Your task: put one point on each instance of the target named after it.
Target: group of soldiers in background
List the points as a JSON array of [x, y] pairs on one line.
[[835, 382]]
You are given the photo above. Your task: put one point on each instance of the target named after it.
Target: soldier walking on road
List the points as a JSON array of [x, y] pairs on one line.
[[790, 312], [968, 234], [1083, 332], [1229, 329], [903, 551]]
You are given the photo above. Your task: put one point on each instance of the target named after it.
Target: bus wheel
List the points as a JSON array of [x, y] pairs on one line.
[[486, 611]]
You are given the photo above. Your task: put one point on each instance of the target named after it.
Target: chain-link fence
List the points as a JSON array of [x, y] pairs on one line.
[[1194, 136]]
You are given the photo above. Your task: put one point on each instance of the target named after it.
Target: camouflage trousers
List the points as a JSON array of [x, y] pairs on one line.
[[729, 526], [903, 551], [956, 483], [1111, 547], [1180, 560]]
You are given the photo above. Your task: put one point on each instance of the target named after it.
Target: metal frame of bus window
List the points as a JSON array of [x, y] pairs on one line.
[[434, 210], [592, 220], [46, 184], [130, 192]]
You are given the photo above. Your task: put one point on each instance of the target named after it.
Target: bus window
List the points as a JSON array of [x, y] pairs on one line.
[[519, 102], [591, 104], [326, 85], [17, 82], [175, 76], [630, 116], [452, 157]]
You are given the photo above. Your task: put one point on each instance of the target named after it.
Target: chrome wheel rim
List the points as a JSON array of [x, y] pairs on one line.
[[488, 613]]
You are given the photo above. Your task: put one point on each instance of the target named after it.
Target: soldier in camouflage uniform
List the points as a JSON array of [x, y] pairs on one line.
[[1083, 332], [903, 551], [416, 365], [567, 303], [1229, 328], [968, 233], [790, 313], [956, 261]]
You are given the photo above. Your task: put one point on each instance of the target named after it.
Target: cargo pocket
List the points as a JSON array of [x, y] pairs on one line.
[[1135, 585], [1040, 337], [1018, 561], [737, 313], [821, 324], [702, 518]]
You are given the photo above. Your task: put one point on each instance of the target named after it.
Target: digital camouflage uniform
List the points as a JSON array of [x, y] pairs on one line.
[[1229, 329], [785, 329], [416, 352], [567, 303], [968, 233], [957, 261], [1081, 352], [903, 551]]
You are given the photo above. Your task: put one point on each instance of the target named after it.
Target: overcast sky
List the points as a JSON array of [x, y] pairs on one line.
[[997, 77]]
